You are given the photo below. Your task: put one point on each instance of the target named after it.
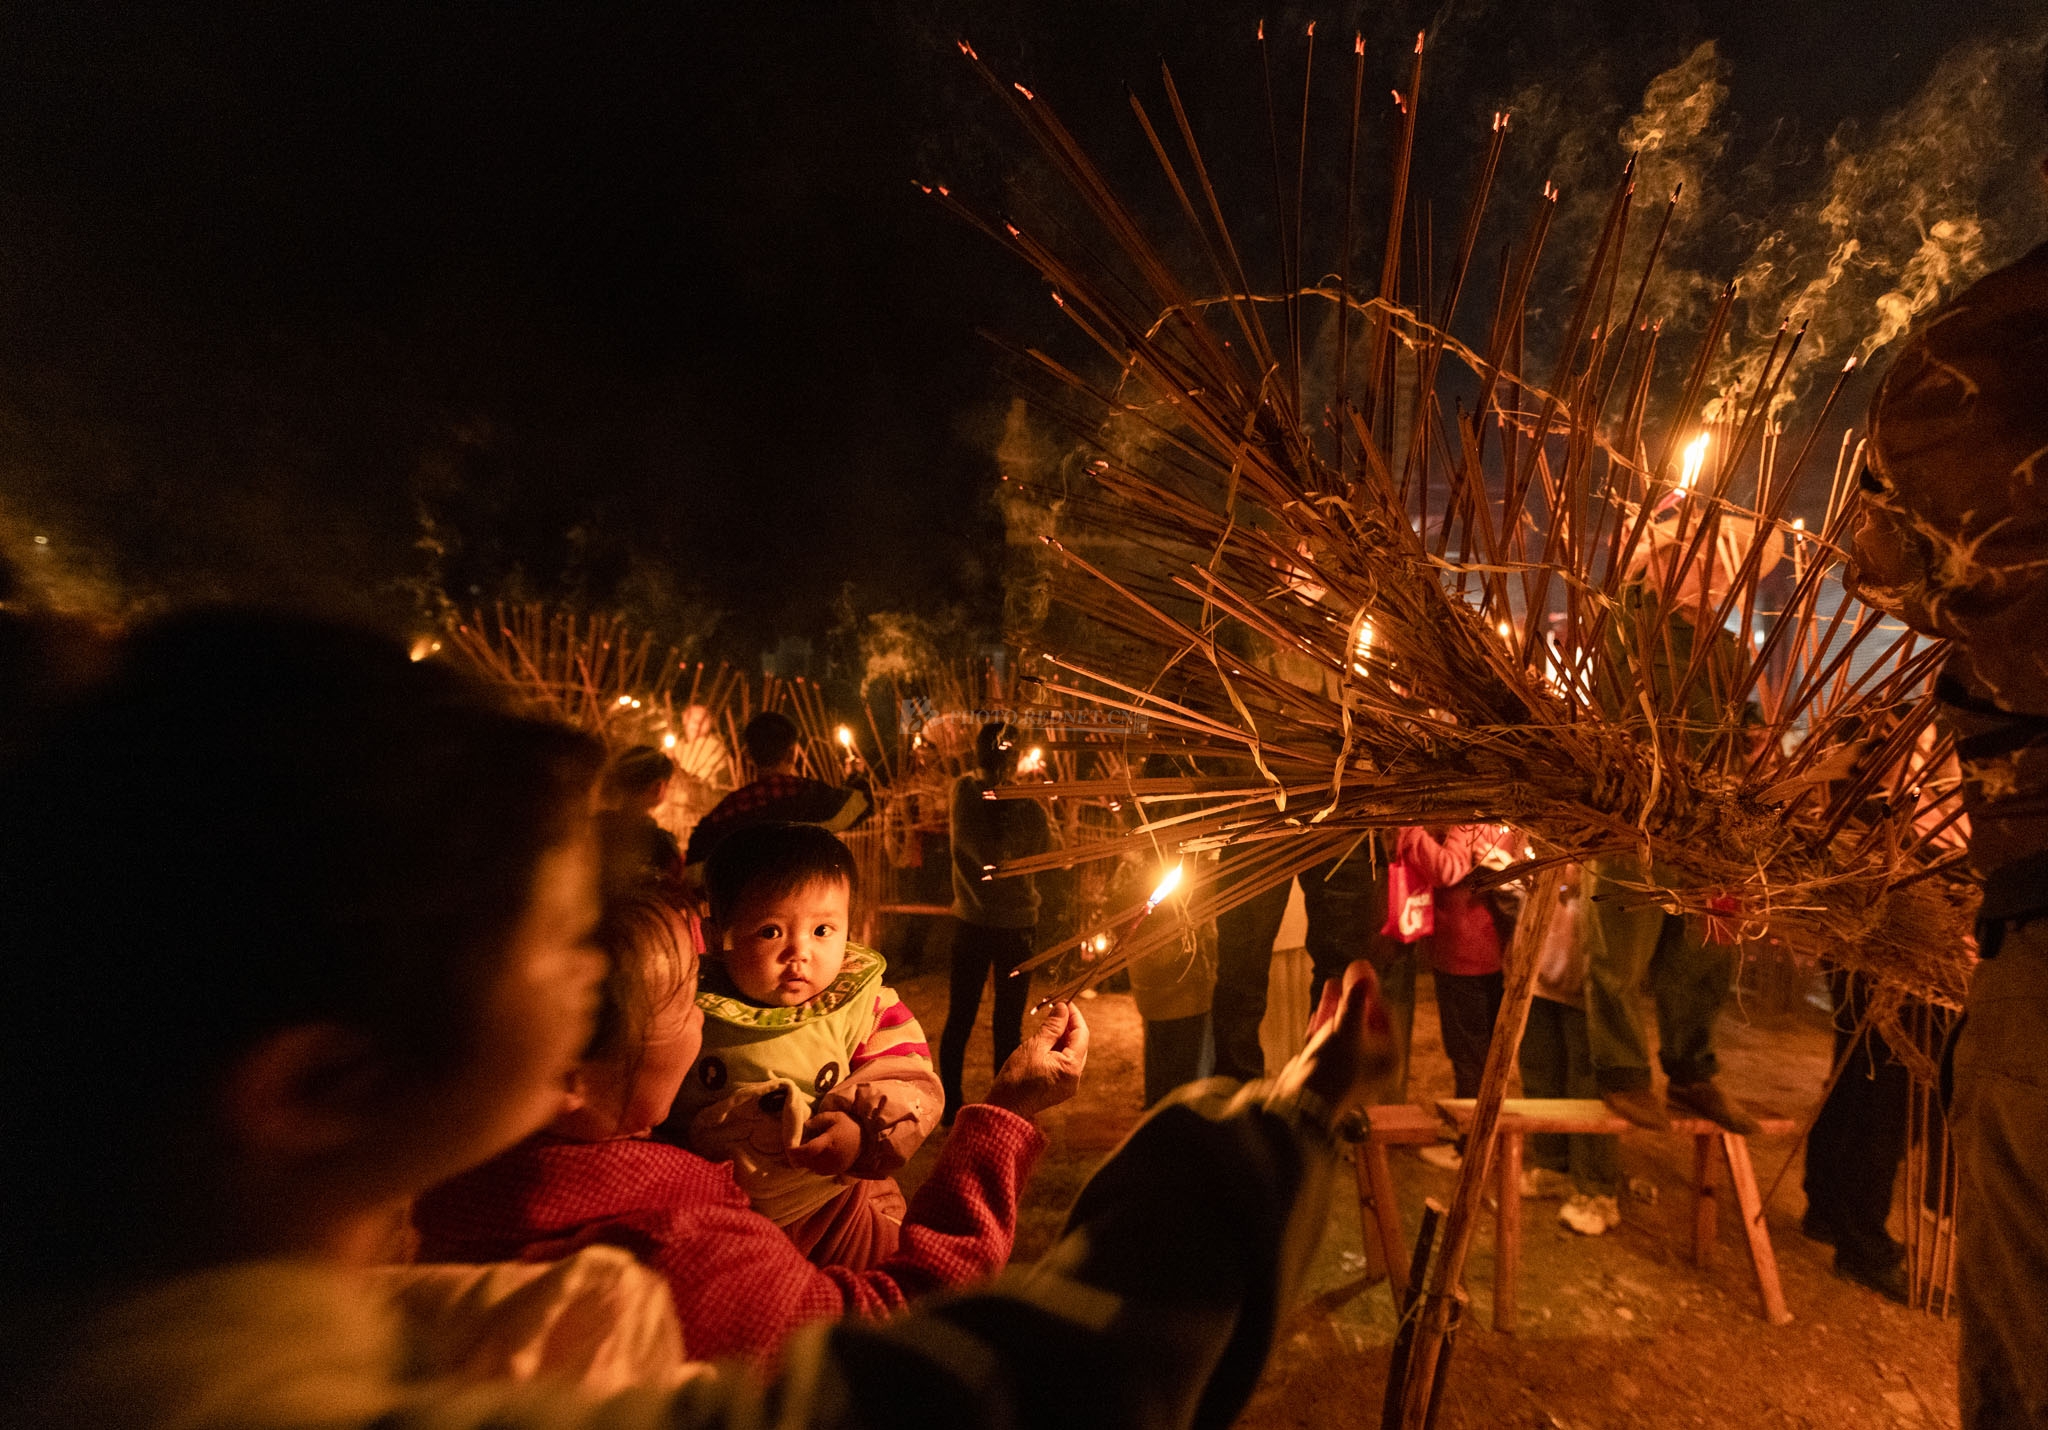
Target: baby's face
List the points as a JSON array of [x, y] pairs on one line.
[[782, 950]]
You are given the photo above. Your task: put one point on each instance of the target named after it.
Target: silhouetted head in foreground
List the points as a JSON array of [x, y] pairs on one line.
[[297, 927]]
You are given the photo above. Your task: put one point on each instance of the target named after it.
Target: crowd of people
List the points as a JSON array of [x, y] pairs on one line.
[[319, 964]]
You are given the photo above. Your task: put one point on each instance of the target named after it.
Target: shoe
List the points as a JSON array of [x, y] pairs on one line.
[[1442, 1154], [1816, 1227], [1890, 1282], [1540, 1183], [1640, 1106], [1590, 1216], [1707, 1099]]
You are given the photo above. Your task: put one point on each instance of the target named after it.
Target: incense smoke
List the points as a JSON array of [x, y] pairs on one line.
[[1855, 237], [1940, 192]]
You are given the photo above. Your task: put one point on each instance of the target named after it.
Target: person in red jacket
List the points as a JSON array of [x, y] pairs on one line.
[[1465, 944], [741, 1286]]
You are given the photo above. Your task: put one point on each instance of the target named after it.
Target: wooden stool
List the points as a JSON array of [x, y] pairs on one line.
[[1523, 1115], [1395, 1124]]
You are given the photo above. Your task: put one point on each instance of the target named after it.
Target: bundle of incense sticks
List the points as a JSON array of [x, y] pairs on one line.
[[1352, 572]]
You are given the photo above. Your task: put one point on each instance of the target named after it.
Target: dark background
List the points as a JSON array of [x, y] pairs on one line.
[[369, 305]]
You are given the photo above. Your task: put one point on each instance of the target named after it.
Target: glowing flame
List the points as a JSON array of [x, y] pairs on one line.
[[1363, 647], [1695, 458], [1166, 886], [668, 742], [421, 648], [1032, 761], [1101, 943], [1507, 631], [844, 735]]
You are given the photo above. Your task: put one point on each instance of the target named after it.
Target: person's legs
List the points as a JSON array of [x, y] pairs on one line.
[[1595, 1156], [1691, 980], [1008, 948], [1620, 944], [1999, 1119], [963, 1001], [1467, 1005], [1178, 1051], [1857, 1143], [1544, 1063], [858, 1229], [1244, 960], [1346, 901]]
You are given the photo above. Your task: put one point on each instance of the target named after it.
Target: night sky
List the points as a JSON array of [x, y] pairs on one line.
[[638, 303]]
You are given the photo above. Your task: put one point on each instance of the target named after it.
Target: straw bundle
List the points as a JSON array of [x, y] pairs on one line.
[[1369, 574]]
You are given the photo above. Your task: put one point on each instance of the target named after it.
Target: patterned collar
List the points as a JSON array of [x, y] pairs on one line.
[[863, 966]]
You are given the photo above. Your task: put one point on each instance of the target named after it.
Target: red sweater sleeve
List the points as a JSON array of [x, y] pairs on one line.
[[1442, 864], [741, 1286]]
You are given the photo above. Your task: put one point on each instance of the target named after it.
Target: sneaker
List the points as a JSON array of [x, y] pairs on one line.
[[1707, 1099], [1590, 1216], [1442, 1154], [1640, 1106], [1542, 1183]]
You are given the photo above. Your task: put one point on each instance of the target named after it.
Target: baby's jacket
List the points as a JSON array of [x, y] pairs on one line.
[[856, 1048]]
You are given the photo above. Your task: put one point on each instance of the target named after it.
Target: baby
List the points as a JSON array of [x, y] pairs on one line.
[[815, 1080]]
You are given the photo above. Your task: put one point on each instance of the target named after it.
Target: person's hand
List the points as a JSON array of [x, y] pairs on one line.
[[831, 1145], [1350, 1044], [1046, 1068]]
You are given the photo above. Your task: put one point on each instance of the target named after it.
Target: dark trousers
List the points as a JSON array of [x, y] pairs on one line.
[[1347, 906], [1466, 1006], [1556, 1062], [1178, 1051], [1999, 1120], [977, 952], [1859, 1138]]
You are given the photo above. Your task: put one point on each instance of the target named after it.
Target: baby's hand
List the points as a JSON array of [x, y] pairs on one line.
[[831, 1145]]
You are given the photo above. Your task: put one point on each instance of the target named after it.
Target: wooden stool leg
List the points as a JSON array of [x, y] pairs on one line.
[[1378, 1183], [1507, 1234], [1705, 1211], [1368, 1215], [1743, 1176]]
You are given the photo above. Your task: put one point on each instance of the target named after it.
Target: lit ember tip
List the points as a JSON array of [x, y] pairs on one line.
[[1166, 886], [1023, 91], [844, 735], [1695, 458], [1358, 44]]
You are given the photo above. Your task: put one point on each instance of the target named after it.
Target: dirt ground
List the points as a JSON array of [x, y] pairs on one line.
[[1616, 1331]]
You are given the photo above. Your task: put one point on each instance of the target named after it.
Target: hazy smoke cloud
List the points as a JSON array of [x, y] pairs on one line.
[[1935, 195]]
